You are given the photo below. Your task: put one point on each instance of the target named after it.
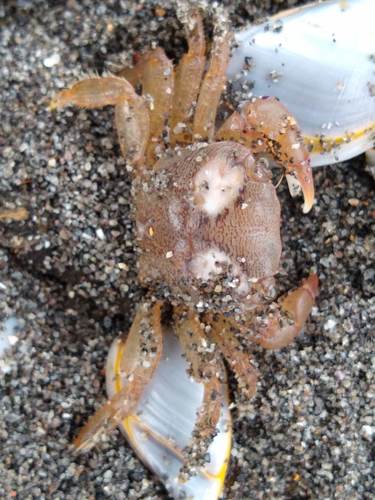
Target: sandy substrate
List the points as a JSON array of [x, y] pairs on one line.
[[68, 274]]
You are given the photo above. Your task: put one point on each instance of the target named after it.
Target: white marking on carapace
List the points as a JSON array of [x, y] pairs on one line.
[[209, 263], [174, 214], [216, 186]]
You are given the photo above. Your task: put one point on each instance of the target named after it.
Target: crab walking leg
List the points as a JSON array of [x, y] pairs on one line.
[[142, 352], [188, 76], [290, 316], [207, 368], [154, 71], [265, 125], [132, 124], [131, 114], [16, 214], [212, 87], [223, 333]]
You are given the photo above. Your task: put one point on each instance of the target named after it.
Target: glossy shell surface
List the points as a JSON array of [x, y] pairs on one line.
[[319, 60], [164, 421]]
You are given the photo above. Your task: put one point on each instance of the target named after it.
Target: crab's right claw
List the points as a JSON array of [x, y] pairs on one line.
[[140, 360], [299, 178], [284, 139], [266, 126]]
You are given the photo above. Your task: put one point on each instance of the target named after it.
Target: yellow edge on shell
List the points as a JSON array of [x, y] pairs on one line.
[[325, 143], [129, 422]]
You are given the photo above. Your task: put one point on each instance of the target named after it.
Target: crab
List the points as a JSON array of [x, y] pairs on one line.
[[207, 222]]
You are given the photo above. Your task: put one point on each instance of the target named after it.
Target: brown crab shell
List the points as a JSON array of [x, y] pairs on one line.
[[207, 217]]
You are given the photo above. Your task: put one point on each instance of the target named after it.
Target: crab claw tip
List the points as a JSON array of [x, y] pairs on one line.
[[308, 195], [302, 179], [312, 285]]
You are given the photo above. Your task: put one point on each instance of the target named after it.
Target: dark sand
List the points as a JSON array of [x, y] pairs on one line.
[[68, 273]]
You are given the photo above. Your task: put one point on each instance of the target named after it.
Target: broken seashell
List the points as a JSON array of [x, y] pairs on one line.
[[162, 426], [319, 61]]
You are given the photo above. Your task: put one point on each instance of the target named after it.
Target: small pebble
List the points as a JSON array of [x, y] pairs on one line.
[[52, 60]]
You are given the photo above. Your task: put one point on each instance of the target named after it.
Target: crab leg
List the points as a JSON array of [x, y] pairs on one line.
[[223, 333], [290, 316], [188, 76], [154, 71], [142, 352], [131, 114], [212, 87], [266, 126], [206, 368]]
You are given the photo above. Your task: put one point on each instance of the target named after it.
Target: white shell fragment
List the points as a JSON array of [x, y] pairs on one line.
[[319, 60], [52, 60], [9, 336], [165, 419], [216, 186]]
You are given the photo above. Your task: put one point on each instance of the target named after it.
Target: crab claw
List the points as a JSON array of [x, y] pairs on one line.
[[299, 179], [304, 176], [290, 150], [267, 127], [289, 320]]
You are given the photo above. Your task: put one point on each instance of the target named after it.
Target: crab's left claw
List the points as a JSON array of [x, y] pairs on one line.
[[290, 316]]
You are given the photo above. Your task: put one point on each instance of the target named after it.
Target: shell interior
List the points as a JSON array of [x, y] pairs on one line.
[[164, 421]]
